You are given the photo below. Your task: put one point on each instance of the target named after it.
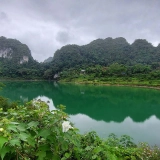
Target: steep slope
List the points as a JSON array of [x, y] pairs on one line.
[[142, 52], [14, 51], [68, 56]]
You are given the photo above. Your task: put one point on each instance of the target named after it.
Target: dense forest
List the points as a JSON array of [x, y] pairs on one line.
[[103, 60], [16, 61]]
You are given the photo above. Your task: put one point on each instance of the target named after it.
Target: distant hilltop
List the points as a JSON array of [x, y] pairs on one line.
[[16, 60], [14, 50], [48, 60], [98, 52], [106, 52]]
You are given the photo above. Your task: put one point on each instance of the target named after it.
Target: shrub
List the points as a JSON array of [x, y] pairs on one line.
[[32, 132]]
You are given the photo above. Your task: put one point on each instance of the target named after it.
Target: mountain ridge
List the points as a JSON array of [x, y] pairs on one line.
[[106, 52]]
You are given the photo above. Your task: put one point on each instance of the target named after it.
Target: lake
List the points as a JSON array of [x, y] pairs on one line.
[[104, 109]]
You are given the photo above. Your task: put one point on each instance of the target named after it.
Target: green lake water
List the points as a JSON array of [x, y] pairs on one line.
[[104, 109]]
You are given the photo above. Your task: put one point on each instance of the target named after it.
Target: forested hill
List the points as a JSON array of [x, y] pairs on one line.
[[106, 52], [17, 62], [14, 51], [102, 57]]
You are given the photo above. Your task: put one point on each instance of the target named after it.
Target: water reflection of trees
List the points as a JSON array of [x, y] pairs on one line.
[[98, 102]]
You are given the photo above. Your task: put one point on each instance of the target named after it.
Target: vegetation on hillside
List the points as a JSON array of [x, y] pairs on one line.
[[119, 74], [105, 52], [103, 61]]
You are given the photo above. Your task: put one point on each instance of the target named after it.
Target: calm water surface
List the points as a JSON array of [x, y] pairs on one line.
[[105, 109]]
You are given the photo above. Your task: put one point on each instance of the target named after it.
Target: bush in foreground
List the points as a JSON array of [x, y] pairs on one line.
[[33, 132]]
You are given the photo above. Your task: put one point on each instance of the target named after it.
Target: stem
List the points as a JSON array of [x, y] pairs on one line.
[[19, 154]]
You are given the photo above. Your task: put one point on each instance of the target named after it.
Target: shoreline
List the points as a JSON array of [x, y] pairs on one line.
[[85, 83], [108, 84]]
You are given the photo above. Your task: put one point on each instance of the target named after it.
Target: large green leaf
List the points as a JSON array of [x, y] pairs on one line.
[[15, 142], [41, 155], [21, 127], [44, 133], [31, 141], [44, 147], [2, 141], [12, 127], [33, 124], [23, 136], [4, 150]]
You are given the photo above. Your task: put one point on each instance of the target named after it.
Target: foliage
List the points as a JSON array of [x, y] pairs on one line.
[[11, 54], [5, 104], [33, 132], [141, 75], [105, 52], [102, 58]]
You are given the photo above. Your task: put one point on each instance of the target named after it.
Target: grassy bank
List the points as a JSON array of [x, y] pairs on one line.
[[114, 81]]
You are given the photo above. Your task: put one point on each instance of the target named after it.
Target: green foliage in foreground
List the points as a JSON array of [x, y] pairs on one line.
[[33, 132]]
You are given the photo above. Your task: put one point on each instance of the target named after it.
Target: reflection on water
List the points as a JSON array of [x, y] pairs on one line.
[[119, 110], [48, 101], [146, 131]]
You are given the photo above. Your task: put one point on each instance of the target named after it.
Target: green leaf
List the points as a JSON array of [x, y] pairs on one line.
[[4, 150], [133, 158], [12, 127], [56, 157], [88, 148], [94, 156], [65, 146], [33, 124], [67, 155], [97, 149], [2, 141], [15, 142], [44, 133], [41, 155], [31, 141], [23, 136], [44, 147], [21, 127]]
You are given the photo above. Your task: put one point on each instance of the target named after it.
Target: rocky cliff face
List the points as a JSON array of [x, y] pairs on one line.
[[6, 53], [14, 50]]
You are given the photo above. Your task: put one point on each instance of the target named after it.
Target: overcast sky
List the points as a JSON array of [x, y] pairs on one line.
[[47, 25]]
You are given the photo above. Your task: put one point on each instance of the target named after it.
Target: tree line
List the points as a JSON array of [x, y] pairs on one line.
[[101, 58]]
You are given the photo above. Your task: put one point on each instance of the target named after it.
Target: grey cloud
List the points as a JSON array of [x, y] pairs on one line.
[[4, 17], [63, 37], [47, 25]]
